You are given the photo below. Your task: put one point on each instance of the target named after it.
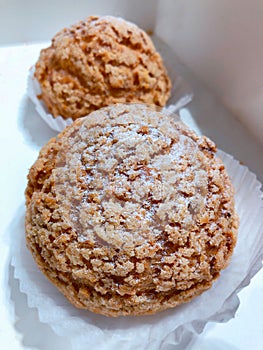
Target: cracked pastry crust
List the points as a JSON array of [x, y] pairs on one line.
[[98, 62], [129, 212]]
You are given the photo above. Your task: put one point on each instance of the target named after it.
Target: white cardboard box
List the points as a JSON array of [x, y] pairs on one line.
[[194, 29]]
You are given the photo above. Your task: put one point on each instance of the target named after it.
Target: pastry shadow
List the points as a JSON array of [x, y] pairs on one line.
[[35, 131], [33, 333]]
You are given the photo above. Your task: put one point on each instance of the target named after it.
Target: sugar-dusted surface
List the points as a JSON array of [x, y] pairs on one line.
[[129, 212]]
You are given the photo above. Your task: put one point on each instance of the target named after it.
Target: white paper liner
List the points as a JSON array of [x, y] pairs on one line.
[[181, 93], [88, 330], [33, 91]]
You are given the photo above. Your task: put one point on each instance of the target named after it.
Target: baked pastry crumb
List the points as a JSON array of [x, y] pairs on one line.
[[97, 62], [129, 212]]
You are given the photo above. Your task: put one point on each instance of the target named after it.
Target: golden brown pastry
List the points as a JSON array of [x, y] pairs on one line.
[[129, 212], [98, 62]]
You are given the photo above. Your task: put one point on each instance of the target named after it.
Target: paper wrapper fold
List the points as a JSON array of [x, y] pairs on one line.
[[181, 93], [169, 328]]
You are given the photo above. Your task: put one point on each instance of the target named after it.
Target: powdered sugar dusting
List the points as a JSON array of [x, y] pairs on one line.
[[131, 211]]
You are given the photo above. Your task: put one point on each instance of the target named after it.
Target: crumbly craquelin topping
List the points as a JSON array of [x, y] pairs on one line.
[[129, 212], [98, 62]]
